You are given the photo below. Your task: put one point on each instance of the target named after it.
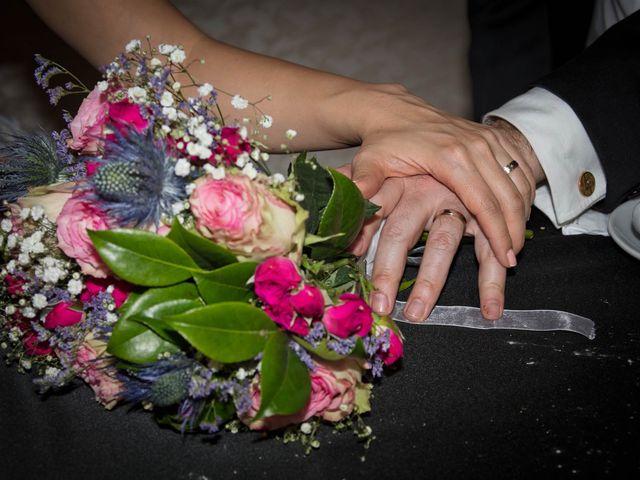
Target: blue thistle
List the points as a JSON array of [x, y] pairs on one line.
[[29, 160], [135, 182], [164, 383]]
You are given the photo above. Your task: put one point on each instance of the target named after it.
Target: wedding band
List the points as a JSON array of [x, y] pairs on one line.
[[510, 167], [451, 213]]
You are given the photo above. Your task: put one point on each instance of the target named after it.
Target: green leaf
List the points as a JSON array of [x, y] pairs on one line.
[[370, 209], [204, 252], [285, 384], [226, 284], [316, 184], [143, 258], [226, 332], [344, 214], [133, 339], [321, 350], [136, 343], [153, 318]]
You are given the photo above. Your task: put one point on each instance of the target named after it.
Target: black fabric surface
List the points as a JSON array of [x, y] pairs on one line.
[[465, 404]]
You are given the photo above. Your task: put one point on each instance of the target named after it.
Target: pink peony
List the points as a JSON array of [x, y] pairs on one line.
[[95, 286], [86, 127], [244, 216], [78, 216], [275, 278], [333, 396], [308, 302], [352, 317], [395, 351], [98, 372], [62, 315]]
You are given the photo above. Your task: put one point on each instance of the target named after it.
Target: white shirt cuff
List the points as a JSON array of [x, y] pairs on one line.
[[564, 151]]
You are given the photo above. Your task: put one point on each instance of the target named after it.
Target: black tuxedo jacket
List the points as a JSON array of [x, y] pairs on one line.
[[519, 44], [602, 86]]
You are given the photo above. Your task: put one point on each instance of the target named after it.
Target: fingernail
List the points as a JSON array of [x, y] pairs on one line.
[[512, 258], [492, 311], [416, 310], [379, 303]]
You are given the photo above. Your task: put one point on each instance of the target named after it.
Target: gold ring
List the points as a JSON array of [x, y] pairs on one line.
[[510, 167], [451, 213]]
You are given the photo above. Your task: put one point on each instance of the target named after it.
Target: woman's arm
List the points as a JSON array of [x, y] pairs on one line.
[[400, 134]]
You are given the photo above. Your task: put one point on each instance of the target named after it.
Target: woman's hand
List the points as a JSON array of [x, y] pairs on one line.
[[404, 136]]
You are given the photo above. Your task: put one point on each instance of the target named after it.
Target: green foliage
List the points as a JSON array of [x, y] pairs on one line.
[[226, 284], [226, 332], [204, 252], [143, 258], [285, 385]]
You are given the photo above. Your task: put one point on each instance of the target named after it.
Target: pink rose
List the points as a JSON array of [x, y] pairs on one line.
[[78, 216], [125, 115], [62, 315], [15, 285], [244, 216], [275, 278], [51, 198], [93, 287], [395, 351], [308, 302], [284, 316], [33, 347], [352, 317], [333, 395], [86, 127], [98, 371], [230, 145]]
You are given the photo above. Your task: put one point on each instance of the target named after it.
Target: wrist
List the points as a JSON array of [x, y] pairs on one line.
[[519, 143]]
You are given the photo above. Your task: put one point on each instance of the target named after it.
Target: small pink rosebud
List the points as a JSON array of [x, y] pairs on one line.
[[308, 302], [62, 315], [352, 317], [275, 278]]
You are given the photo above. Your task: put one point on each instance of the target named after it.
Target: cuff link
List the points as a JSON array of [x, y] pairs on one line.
[[587, 184]]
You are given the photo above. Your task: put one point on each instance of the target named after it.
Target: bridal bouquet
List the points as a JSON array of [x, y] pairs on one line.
[[148, 250]]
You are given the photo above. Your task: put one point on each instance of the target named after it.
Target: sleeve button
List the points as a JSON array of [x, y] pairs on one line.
[[587, 184]]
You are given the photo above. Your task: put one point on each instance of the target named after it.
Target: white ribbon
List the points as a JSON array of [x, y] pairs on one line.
[[533, 320], [471, 317]]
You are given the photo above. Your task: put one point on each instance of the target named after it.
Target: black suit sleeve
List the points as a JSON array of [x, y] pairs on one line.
[[602, 86]]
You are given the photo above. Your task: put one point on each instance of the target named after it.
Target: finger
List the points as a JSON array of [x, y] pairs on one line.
[[368, 173], [345, 170], [487, 150], [491, 279], [442, 243], [520, 179], [458, 171], [400, 232], [387, 198]]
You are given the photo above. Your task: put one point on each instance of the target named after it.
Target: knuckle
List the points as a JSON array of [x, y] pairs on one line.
[[455, 150], [425, 287], [443, 241]]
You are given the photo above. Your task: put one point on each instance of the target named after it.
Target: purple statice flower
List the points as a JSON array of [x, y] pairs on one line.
[[342, 346], [316, 334], [202, 382], [55, 94], [377, 366], [303, 355], [211, 427], [374, 344], [243, 398]]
